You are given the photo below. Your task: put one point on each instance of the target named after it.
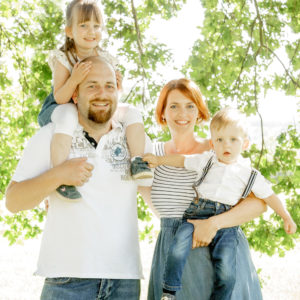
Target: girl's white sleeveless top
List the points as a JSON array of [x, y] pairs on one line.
[[58, 55]]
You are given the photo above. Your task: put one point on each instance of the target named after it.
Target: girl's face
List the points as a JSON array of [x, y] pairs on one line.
[[180, 112], [86, 35]]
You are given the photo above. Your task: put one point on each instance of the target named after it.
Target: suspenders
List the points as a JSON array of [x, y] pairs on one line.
[[205, 170], [250, 183], [200, 180]]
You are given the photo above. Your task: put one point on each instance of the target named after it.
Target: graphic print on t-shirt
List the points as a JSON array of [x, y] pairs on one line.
[[117, 155]]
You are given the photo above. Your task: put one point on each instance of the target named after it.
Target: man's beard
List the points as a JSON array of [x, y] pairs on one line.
[[100, 117]]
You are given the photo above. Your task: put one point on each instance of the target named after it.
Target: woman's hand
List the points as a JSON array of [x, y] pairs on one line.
[[204, 232]]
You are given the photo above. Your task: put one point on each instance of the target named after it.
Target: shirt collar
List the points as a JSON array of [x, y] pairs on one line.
[[115, 125]]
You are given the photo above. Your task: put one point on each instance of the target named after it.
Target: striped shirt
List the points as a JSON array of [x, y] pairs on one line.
[[172, 190]]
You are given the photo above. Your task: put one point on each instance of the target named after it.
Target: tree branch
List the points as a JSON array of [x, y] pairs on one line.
[[140, 47], [261, 119], [286, 70], [237, 82], [262, 45]]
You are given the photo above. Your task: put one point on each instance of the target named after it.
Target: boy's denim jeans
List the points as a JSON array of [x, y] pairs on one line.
[[222, 250], [66, 288]]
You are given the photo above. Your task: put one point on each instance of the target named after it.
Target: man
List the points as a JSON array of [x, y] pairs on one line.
[[90, 248]]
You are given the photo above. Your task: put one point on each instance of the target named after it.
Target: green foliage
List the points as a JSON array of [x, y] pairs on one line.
[[245, 49], [28, 30]]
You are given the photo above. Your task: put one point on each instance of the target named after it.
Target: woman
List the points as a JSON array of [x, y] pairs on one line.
[[180, 107]]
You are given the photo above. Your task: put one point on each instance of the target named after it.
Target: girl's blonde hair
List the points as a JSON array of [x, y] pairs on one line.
[[189, 89], [85, 10], [229, 116]]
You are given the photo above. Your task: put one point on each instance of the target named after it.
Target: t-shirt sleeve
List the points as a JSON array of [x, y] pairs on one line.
[[148, 149], [127, 114], [262, 187], [36, 156], [58, 56], [196, 162]]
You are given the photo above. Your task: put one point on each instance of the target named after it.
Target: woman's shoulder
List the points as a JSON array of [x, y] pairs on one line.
[[203, 145]]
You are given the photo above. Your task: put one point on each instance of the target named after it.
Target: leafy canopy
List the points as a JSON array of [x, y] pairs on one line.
[[244, 49]]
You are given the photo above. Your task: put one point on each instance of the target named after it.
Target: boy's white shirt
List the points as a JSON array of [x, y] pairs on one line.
[[98, 236], [225, 183]]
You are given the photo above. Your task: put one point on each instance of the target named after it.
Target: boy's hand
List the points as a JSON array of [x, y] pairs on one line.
[[80, 71], [290, 226], [151, 159]]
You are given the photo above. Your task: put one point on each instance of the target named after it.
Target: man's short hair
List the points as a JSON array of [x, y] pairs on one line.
[[96, 59]]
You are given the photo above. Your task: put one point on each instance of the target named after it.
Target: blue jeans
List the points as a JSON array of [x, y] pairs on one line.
[[222, 249], [198, 273], [65, 288], [47, 109]]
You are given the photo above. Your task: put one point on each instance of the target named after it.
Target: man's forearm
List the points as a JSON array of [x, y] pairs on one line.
[[29, 193], [245, 211]]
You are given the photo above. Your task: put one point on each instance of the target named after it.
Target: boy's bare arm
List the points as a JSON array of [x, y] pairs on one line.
[[174, 160], [274, 202]]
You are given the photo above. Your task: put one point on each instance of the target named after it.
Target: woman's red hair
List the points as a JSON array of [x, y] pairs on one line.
[[189, 89]]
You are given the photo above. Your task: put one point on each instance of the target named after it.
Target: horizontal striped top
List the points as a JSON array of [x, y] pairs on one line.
[[172, 190]]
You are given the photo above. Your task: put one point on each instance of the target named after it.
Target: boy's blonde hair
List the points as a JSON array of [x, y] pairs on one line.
[[229, 116]]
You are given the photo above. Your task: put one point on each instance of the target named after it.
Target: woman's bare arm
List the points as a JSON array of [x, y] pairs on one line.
[[145, 191], [245, 211]]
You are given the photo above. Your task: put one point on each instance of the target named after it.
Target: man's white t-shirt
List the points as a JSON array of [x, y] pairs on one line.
[[96, 237]]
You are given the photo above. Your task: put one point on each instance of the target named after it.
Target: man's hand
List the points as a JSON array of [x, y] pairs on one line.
[[204, 232], [76, 171]]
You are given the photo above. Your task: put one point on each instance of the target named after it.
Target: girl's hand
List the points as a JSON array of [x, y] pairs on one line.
[[119, 78], [290, 226], [151, 159], [204, 232], [80, 71]]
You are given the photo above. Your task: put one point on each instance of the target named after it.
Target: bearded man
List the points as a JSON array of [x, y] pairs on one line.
[[90, 248]]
